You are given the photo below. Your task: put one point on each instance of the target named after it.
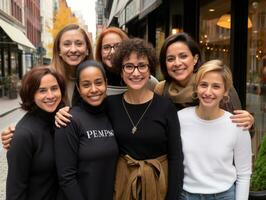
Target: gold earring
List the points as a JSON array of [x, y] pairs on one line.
[[194, 95], [226, 99]]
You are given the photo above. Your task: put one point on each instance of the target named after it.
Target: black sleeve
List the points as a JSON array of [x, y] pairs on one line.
[[66, 155], [175, 155], [19, 158]]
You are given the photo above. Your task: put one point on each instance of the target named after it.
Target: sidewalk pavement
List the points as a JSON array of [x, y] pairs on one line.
[[8, 105]]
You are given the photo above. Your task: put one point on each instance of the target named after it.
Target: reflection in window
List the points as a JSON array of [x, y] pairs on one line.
[[215, 30], [256, 67], [14, 63]]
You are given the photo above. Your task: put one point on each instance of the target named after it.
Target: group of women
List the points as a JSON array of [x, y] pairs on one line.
[[128, 146]]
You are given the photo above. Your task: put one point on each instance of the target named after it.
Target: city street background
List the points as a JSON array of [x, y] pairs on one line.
[[9, 114]]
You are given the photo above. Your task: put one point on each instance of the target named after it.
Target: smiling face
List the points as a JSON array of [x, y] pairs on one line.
[[48, 95], [109, 44], [136, 80], [211, 90], [92, 86], [73, 48], [180, 62]]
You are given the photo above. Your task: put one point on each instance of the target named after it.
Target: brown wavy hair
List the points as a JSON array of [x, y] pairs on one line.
[[57, 61]]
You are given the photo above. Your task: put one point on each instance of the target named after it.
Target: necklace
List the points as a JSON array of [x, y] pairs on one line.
[[135, 126]]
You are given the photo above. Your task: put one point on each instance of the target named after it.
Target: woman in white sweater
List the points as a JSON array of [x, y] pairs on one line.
[[217, 153]]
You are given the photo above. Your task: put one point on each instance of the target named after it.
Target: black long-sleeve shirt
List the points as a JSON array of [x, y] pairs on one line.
[[86, 154], [158, 133], [31, 163]]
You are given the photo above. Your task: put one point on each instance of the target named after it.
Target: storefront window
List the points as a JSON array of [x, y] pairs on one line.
[[14, 63], [28, 62], [214, 37], [6, 62], [256, 68]]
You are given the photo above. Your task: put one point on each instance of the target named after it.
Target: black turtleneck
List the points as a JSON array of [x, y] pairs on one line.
[[86, 154], [31, 163], [115, 83], [113, 78]]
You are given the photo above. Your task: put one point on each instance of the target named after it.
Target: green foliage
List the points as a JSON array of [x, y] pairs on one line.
[[258, 179], [11, 81]]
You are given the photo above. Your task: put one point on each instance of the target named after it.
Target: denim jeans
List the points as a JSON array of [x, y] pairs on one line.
[[227, 195]]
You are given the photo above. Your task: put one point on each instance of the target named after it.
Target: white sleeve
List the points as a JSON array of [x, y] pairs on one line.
[[242, 159]]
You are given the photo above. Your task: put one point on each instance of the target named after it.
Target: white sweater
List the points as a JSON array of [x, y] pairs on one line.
[[216, 154]]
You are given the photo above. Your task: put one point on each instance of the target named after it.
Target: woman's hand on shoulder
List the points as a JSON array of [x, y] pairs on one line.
[[62, 117], [6, 136], [243, 119]]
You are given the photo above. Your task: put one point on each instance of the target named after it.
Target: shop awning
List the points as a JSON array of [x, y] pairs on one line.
[[16, 35], [120, 6], [117, 6], [112, 13], [151, 5]]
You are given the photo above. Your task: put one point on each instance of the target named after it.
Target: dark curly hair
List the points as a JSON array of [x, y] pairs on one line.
[[179, 37], [138, 46], [31, 83]]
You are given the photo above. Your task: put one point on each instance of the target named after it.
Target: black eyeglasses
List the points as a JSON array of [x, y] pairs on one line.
[[108, 47], [130, 67]]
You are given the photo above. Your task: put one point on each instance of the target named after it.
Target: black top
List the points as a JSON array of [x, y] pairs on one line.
[[31, 163], [158, 133], [113, 78], [86, 154]]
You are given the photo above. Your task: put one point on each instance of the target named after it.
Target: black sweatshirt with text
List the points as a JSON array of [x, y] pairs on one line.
[[86, 154]]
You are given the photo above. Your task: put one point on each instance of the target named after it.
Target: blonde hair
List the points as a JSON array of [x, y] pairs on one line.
[[57, 61], [215, 66]]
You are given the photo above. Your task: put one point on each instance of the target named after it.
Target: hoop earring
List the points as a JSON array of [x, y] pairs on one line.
[[226, 99], [194, 95]]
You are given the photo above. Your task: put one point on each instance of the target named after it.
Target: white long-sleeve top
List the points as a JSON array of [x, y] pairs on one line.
[[217, 154]]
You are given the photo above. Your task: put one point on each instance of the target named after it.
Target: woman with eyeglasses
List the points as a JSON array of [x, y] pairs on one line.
[[147, 130], [107, 43], [71, 47]]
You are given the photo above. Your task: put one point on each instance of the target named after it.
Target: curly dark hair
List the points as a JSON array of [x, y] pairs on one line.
[[138, 46], [179, 37]]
